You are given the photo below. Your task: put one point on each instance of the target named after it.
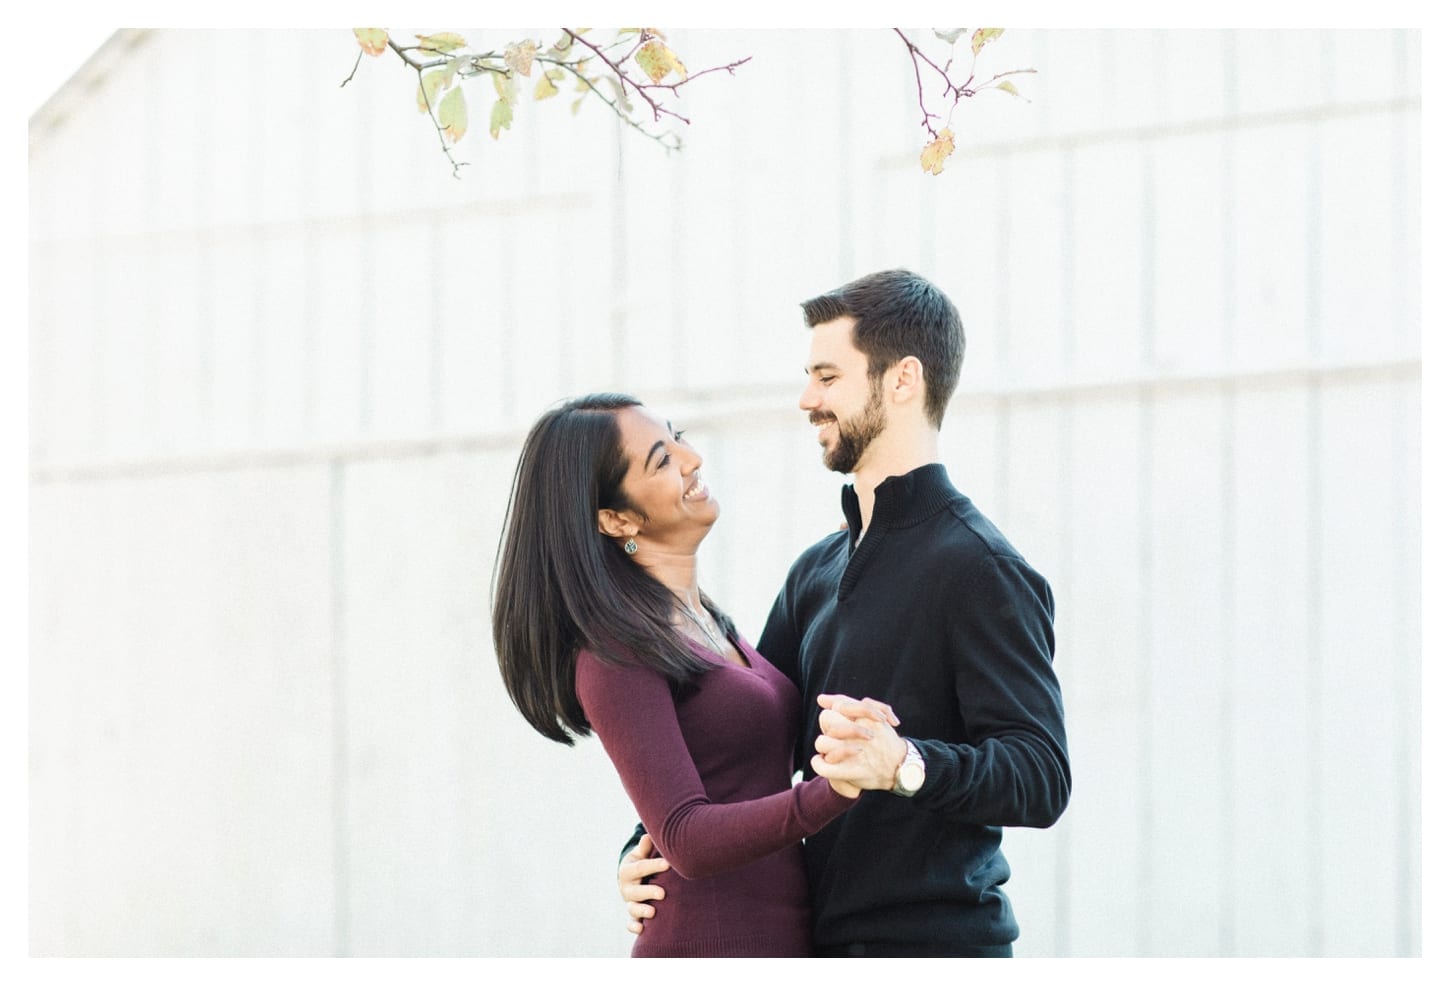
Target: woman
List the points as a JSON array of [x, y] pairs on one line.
[[600, 625]]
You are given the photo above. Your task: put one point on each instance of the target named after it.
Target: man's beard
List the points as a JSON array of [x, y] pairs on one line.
[[854, 434]]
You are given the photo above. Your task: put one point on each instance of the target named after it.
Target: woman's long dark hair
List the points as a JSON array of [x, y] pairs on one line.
[[559, 585]]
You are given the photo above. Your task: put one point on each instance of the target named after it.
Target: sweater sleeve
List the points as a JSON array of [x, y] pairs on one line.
[[1013, 769], [631, 710]]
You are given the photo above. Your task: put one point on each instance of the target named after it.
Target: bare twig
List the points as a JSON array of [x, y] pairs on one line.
[[354, 68]]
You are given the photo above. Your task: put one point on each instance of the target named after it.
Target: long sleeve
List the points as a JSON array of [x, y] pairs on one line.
[[635, 717], [1013, 768]]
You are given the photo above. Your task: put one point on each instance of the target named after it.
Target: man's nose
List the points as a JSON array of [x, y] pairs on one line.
[[810, 397]]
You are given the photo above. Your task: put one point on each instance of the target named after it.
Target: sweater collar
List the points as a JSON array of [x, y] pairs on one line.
[[901, 501]]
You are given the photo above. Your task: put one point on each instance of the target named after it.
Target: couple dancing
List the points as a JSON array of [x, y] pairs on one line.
[[905, 668]]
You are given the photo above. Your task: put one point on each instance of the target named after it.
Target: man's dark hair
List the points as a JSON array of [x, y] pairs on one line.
[[900, 314]]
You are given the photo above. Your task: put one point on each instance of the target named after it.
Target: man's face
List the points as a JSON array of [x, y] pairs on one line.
[[843, 402]]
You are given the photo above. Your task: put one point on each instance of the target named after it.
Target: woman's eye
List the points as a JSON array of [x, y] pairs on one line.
[[679, 434]]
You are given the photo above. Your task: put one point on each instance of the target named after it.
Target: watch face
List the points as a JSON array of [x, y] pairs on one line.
[[912, 775]]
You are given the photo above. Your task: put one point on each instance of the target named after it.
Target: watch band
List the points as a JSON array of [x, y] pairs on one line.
[[911, 774]]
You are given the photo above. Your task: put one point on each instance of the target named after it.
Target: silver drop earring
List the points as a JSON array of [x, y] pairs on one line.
[[630, 547]]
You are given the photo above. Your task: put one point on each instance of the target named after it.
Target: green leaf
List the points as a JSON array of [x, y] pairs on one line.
[[434, 81], [453, 115], [950, 37], [374, 40], [501, 118], [444, 42], [577, 103], [658, 61], [934, 155], [983, 35], [1006, 86], [562, 46]]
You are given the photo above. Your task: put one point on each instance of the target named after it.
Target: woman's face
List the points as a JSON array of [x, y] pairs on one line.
[[674, 508]]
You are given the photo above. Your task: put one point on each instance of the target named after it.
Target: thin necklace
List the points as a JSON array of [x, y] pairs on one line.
[[714, 640]]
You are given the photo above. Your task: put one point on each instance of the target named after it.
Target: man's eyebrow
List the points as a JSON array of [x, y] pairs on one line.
[[814, 367]]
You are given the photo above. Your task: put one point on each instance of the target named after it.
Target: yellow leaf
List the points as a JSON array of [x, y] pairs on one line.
[[1006, 86], [440, 42], [545, 88], [453, 115], [506, 86], [934, 155], [658, 61], [982, 35], [520, 57], [374, 40]]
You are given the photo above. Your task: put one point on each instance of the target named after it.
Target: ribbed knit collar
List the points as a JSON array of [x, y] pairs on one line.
[[901, 501]]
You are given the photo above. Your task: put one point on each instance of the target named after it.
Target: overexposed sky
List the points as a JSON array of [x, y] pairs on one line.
[[47, 67]]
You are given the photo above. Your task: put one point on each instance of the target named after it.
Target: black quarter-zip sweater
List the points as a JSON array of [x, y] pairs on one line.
[[937, 614]]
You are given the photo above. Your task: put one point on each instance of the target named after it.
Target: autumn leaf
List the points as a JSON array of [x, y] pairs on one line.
[[446, 41], [934, 155], [374, 40], [520, 57], [453, 114], [950, 37], [506, 86], [658, 61], [1006, 86], [546, 86], [983, 35]]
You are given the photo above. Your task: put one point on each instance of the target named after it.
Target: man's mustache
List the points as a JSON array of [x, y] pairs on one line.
[[821, 417]]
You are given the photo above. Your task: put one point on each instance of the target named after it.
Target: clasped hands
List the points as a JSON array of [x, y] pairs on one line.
[[858, 749]]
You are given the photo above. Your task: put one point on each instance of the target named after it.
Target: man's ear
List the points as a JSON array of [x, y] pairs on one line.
[[906, 380], [617, 524]]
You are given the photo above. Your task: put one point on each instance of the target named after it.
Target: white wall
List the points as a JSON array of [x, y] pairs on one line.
[[281, 362]]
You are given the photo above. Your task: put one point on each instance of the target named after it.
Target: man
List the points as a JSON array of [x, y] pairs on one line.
[[922, 603]]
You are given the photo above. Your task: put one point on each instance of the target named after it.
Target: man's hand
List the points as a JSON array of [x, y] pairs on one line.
[[858, 744], [633, 869]]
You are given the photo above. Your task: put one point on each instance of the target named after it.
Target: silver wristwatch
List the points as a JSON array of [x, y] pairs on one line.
[[911, 774]]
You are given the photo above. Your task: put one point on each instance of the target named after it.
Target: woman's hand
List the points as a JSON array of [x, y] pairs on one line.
[[633, 869], [858, 745]]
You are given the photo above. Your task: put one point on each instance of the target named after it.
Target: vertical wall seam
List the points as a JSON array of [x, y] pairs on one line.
[[1228, 564], [1066, 499], [1228, 395], [205, 247], [435, 320], [1146, 408], [367, 327], [337, 592], [1407, 736], [1313, 680]]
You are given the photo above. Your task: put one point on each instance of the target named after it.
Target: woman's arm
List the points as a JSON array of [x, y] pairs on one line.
[[632, 712]]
